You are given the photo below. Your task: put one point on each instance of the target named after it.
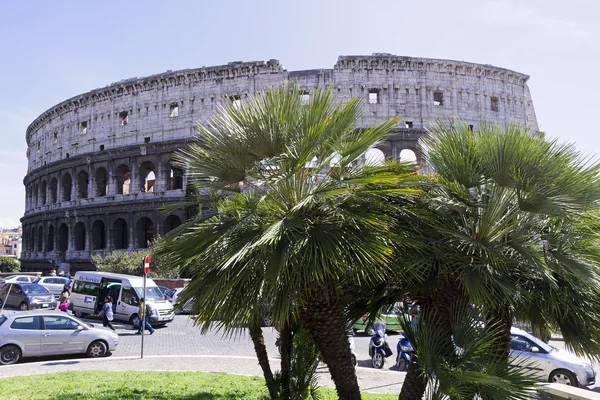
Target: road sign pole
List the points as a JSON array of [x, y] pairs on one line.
[[143, 317]]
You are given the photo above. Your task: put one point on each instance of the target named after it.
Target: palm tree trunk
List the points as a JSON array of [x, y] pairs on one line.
[[413, 387], [503, 317], [263, 359], [323, 318], [286, 341]]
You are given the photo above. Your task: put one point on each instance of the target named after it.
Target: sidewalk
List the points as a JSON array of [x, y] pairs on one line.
[[369, 379]]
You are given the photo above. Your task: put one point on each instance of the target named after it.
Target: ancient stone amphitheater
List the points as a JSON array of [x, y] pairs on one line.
[[100, 163]]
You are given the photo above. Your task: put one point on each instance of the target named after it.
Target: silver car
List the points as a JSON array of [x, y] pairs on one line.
[[44, 333], [550, 363], [54, 284]]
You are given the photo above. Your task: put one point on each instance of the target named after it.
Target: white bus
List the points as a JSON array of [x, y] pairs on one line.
[[91, 288]]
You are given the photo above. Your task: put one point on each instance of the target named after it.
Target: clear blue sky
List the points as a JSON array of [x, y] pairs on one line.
[[52, 50]]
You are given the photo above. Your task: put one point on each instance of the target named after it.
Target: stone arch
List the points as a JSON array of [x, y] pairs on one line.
[[147, 174], [170, 223], [374, 157], [408, 155], [83, 180], [123, 179], [120, 234], [50, 239], [40, 239], [175, 178], [65, 187], [36, 195], [33, 239], [101, 182], [144, 232], [63, 237], [44, 192], [98, 235], [53, 190], [79, 236]]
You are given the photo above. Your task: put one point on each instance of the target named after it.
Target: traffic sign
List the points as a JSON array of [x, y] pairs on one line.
[[146, 265]]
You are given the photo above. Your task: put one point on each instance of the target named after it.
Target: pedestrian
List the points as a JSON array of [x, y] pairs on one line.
[[107, 312], [64, 300], [146, 322]]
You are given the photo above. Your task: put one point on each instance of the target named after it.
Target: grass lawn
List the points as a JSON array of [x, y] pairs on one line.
[[142, 386]]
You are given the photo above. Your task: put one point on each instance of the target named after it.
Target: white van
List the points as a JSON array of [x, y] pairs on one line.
[[91, 288]]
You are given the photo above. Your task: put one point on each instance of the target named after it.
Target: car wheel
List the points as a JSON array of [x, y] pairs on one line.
[[402, 364], [378, 360], [23, 306], [9, 354], [135, 321], [563, 376], [267, 322], [97, 349]]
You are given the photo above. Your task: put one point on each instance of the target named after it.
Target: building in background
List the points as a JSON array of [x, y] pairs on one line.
[[99, 164], [11, 242]]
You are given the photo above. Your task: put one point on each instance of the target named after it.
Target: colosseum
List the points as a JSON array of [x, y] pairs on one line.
[[99, 164]]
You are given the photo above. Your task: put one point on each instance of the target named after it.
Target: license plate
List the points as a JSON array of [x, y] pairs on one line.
[[44, 305]]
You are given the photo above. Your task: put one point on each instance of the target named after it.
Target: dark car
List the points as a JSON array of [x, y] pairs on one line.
[[165, 290], [26, 296]]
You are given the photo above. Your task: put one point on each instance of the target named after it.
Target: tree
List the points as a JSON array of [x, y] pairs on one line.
[[509, 228], [290, 215], [9, 264]]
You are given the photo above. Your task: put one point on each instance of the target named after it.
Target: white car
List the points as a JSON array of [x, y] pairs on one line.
[[172, 297], [44, 333], [17, 279], [54, 284], [550, 363]]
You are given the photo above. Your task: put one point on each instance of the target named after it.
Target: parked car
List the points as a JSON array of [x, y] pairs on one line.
[[390, 316], [17, 279], [26, 296], [43, 333], [550, 363], [186, 308], [54, 284]]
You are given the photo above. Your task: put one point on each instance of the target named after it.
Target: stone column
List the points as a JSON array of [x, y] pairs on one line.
[[131, 227], [134, 185]]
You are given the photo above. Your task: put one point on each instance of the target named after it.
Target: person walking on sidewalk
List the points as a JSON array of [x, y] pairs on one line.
[[107, 312], [146, 322]]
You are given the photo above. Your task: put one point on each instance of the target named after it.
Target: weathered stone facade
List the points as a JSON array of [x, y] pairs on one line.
[[99, 163]]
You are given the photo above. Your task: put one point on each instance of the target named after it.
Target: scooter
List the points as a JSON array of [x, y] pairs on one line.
[[405, 353], [379, 349]]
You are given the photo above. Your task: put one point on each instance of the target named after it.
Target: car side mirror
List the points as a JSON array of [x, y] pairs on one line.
[[535, 349], [80, 328]]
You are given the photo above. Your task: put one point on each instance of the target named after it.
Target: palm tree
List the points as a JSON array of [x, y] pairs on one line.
[[290, 215], [508, 229]]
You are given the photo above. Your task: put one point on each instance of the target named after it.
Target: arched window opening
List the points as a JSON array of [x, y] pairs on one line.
[[120, 234], [33, 239], [148, 178], [50, 239], [374, 157], [63, 237], [176, 179], [79, 233], [408, 155], [35, 196], [171, 222], [66, 187], [98, 235], [123, 179], [83, 180], [53, 190], [40, 241], [101, 182], [44, 193], [144, 232]]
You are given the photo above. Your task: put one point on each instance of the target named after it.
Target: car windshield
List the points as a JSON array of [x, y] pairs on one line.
[[152, 293], [34, 289], [2, 319]]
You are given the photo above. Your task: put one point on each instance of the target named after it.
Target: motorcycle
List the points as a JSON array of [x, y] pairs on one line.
[[379, 349], [405, 353]]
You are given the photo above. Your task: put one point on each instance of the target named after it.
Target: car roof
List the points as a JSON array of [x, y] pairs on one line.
[[35, 313]]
